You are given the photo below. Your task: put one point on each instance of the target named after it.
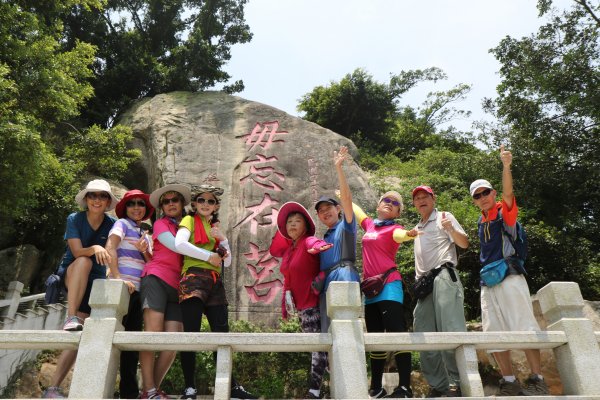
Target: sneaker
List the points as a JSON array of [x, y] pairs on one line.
[[377, 393], [73, 323], [534, 386], [400, 392], [453, 391], [154, 394], [311, 395], [238, 392], [509, 388], [53, 392], [189, 393]]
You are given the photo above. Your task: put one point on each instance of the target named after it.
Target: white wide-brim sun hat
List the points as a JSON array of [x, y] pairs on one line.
[[96, 185], [184, 190]]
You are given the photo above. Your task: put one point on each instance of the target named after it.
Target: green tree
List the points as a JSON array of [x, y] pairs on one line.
[[368, 112], [547, 108], [153, 46]]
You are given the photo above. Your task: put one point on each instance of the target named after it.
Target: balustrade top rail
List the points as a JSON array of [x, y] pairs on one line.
[[570, 336]]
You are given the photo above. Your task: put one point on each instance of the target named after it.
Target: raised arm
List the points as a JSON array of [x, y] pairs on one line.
[[345, 194], [507, 181]]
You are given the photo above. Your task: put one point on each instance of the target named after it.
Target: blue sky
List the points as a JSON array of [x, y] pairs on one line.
[[300, 44]]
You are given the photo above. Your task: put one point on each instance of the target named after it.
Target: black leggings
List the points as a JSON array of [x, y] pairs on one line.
[[387, 316], [192, 310]]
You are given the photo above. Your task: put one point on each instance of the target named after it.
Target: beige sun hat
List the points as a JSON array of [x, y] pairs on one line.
[[96, 185], [182, 189]]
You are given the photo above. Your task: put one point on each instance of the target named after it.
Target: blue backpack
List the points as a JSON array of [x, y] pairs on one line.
[[520, 243]]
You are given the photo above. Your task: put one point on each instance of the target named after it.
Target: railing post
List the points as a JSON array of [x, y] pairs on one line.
[[223, 375], [97, 359], [13, 294], [577, 360], [468, 367], [347, 363]]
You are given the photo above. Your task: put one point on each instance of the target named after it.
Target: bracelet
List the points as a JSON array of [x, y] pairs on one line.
[[144, 251]]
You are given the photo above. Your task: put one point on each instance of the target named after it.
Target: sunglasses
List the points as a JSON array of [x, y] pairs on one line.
[[97, 196], [202, 200], [481, 194], [170, 200], [133, 203], [387, 200]]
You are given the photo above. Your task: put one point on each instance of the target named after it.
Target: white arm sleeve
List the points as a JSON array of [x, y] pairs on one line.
[[182, 246]]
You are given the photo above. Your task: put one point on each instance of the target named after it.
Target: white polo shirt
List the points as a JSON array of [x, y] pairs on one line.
[[435, 246]]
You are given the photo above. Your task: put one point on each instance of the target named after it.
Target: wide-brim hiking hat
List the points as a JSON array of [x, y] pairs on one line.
[[292, 207], [182, 189], [121, 208], [326, 199], [479, 183], [96, 185]]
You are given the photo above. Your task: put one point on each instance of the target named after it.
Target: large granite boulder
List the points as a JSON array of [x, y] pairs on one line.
[[262, 156]]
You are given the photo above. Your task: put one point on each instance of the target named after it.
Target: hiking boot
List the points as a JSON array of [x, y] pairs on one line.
[[189, 393], [453, 391], [238, 392], [509, 388], [400, 392], [73, 323], [534, 386], [53, 392], [377, 393]]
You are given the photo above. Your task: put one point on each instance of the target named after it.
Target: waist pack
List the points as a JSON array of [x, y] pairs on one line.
[[494, 272], [373, 285], [53, 289], [424, 285]]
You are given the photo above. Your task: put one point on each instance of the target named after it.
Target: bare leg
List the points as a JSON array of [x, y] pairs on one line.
[[153, 322], [166, 358], [504, 362], [76, 280], [65, 360], [534, 359]]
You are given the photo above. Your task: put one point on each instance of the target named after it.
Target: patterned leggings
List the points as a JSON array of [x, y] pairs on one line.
[[310, 321]]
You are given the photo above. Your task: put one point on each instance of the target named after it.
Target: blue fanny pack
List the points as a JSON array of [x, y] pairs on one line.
[[494, 272]]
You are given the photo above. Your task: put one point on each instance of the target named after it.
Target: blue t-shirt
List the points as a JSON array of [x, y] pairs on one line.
[[78, 227], [343, 237]]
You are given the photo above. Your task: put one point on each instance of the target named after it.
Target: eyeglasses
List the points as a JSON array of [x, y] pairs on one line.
[[134, 203], [97, 196], [170, 200], [387, 200], [481, 194], [202, 200]]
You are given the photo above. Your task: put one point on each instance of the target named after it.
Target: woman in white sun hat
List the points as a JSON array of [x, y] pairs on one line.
[[85, 260]]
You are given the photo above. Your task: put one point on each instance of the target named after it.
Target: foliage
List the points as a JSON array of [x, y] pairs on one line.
[[547, 108], [368, 112], [44, 83], [150, 47]]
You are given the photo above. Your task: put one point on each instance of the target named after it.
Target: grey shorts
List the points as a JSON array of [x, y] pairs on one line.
[[157, 295]]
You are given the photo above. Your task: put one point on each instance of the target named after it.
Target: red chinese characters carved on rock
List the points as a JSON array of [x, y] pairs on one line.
[[262, 290], [262, 173]]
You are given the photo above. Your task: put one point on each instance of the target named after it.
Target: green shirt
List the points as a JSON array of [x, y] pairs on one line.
[[188, 262]]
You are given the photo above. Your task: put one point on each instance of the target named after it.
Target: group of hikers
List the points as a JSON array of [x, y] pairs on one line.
[[175, 277]]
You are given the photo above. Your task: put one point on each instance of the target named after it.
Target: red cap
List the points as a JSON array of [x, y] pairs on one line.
[[424, 188]]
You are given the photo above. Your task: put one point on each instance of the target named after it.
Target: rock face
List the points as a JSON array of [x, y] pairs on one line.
[[19, 263], [262, 156]]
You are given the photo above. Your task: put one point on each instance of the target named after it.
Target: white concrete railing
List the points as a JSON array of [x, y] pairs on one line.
[[569, 334], [19, 313]]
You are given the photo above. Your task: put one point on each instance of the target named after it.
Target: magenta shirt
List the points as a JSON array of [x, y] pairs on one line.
[[165, 264], [379, 249]]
